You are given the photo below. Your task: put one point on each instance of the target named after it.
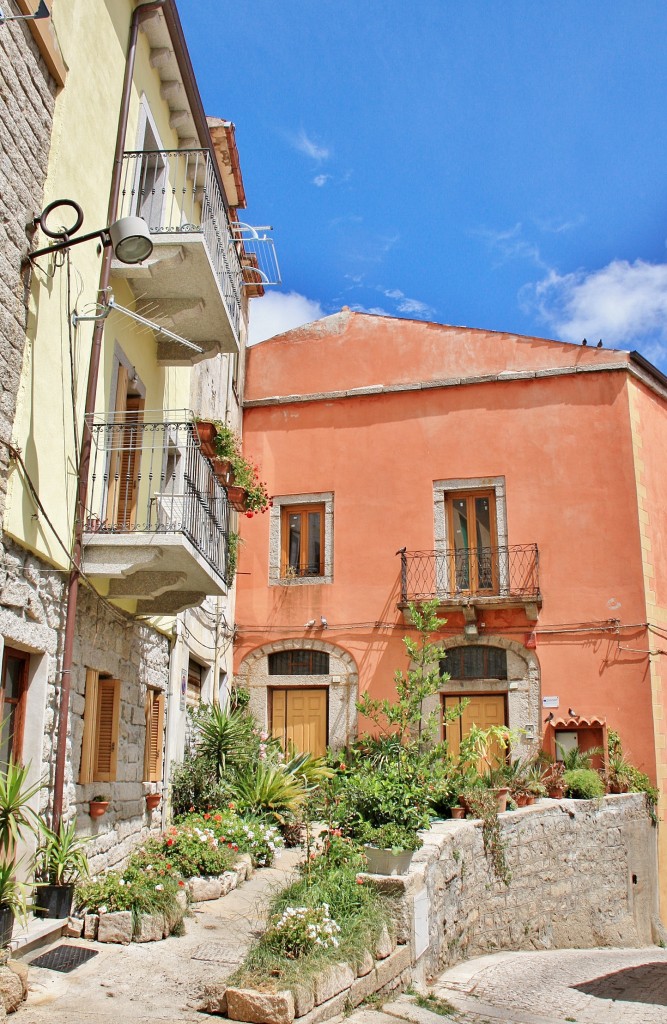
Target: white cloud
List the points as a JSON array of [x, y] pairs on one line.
[[404, 304], [622, 303], [277, 312], [510, 244], [309, 147], [321, 179]]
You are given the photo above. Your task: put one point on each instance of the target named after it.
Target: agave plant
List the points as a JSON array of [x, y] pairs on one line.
[[13, 894], [62, 857], [17, 818], [269, 790], [308, 770], [225, 739]]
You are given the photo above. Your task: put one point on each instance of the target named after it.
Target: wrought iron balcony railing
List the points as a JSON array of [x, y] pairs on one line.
[[177, 192], [151, 477], [455, 575]]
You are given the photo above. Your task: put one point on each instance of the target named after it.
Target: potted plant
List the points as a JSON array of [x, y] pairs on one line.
[[389, 848], [152, 801], [17, 821], [13, 902], [61, 862], [552, 779], [98, 806], [619, 773], [207, 433]]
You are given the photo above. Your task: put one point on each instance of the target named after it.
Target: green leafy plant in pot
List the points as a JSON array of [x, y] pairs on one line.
[[61, 862]]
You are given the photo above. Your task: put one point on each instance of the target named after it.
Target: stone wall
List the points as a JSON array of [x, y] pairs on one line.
[[32, 618], [26, 116], [584, 874]]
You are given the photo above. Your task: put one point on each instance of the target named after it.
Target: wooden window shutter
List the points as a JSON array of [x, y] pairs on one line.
[[154, 736], [106, 745], [89, 727]]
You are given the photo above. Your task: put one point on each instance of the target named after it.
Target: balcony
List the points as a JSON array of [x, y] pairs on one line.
[[192, 283], [472, 579], [157, 520]]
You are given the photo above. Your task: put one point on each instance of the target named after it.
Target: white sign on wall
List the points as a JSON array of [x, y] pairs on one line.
[[550, 702]]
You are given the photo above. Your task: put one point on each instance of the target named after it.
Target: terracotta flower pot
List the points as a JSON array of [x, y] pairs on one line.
[[557, 792], [237, 498], [207, 435], [501, 797], [458, 812], [521, 799], [224, 471], [152, 800], [97, 808]]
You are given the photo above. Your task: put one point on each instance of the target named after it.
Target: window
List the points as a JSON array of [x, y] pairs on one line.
[[99, 751], [154, 736], [194, 683], [473, 550], [302, 535], [475, 662], [299, 663], [13, 695]]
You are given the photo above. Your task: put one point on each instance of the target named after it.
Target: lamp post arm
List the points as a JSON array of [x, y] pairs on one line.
[[103, 234]]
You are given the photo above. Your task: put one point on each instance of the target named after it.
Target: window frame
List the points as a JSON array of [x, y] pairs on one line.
[[277, 533], [289, 653], [304, 511], [154, 751], [460, 650], [19, 703]]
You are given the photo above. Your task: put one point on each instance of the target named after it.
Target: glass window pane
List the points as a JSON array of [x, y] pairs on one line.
[[460, 542], [294, 543], [313, 568], [13, 675]]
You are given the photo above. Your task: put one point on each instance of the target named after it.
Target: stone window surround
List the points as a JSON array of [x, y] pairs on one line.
[[275, 515]]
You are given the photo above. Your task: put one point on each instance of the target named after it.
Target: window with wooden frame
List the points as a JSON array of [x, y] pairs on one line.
[[302, 541], [475, 661], [299, 662], [99, 753], [154, 736], [13, 697], [473, 548], [195, 672]]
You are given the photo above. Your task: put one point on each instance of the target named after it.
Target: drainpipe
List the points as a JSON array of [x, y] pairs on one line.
[[86, 439]]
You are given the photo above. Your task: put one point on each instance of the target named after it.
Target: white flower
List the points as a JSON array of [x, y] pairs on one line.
[[102, 910], [159, 887]]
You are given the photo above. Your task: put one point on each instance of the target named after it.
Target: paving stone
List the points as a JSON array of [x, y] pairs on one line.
[[332, 980], [260, 1007]]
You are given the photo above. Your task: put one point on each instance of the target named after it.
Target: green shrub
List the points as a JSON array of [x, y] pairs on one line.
[[583, 784], [395, 794], [141, 891], [391, 836], [195, 851], [249, 835]]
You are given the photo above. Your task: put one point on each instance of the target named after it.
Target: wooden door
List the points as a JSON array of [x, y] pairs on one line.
[[483, 710], [299, 720], [125, 456]]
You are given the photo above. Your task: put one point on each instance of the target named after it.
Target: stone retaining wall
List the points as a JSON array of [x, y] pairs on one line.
[[584, 874]]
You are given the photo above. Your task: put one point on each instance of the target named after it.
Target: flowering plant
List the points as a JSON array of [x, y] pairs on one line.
[[246, 473], [300, 930], [250, 835], [195, 850]]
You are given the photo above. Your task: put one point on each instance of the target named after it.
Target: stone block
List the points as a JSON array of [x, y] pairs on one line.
[[332, 980], [74, 928], [201, 889], [365, 966], [387, 970], [115, 927], [244, 867], [182, 899], [20, 969], [304, 1000], [260, 1007], [362, 988], [11, 990], [90, 926], [228, 881], [214, 998], [385, 944], [151, 928]]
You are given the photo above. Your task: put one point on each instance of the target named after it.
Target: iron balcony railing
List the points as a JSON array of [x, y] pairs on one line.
[[151, 477], [452, 575], [176, 191]]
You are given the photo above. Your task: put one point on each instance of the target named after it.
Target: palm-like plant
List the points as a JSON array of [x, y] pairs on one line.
[[308, 770], [269, 790], [225, 739], [17, 818], [62, 859]]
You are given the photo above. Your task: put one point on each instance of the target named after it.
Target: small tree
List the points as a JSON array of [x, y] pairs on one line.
[[404, 716]]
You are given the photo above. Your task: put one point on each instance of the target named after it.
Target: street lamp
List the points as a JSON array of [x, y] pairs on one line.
[[129, 237]]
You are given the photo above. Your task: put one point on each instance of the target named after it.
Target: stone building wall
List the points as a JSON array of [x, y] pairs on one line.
[[584, 874], [26, 116]]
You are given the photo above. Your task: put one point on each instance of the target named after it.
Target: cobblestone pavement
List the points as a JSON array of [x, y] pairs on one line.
[[156, 982], [590, 986]]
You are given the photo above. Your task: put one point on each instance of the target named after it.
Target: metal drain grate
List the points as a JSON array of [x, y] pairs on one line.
[[64, 958]]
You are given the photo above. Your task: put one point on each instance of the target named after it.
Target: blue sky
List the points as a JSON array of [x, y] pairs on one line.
[[494, 163]]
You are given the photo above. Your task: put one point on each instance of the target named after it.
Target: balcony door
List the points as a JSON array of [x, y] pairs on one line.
[[124, 456], [473, 547]]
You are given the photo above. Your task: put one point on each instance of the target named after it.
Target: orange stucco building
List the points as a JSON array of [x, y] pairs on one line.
[[517, 480]]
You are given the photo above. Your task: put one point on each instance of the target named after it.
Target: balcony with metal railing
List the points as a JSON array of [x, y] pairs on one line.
[[157, 519], [193, 282], [500, 577]]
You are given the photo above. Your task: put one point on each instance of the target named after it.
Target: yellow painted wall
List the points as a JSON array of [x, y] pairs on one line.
[[93, 35]]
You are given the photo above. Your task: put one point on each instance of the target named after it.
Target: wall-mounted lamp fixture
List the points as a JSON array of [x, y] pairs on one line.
[[129, 236], [41, 12]]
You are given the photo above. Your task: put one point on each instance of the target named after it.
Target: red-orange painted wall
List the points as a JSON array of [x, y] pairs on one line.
[[562, 442]]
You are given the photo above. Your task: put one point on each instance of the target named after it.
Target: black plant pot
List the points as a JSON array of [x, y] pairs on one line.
[[6, 925], [54, 900]]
